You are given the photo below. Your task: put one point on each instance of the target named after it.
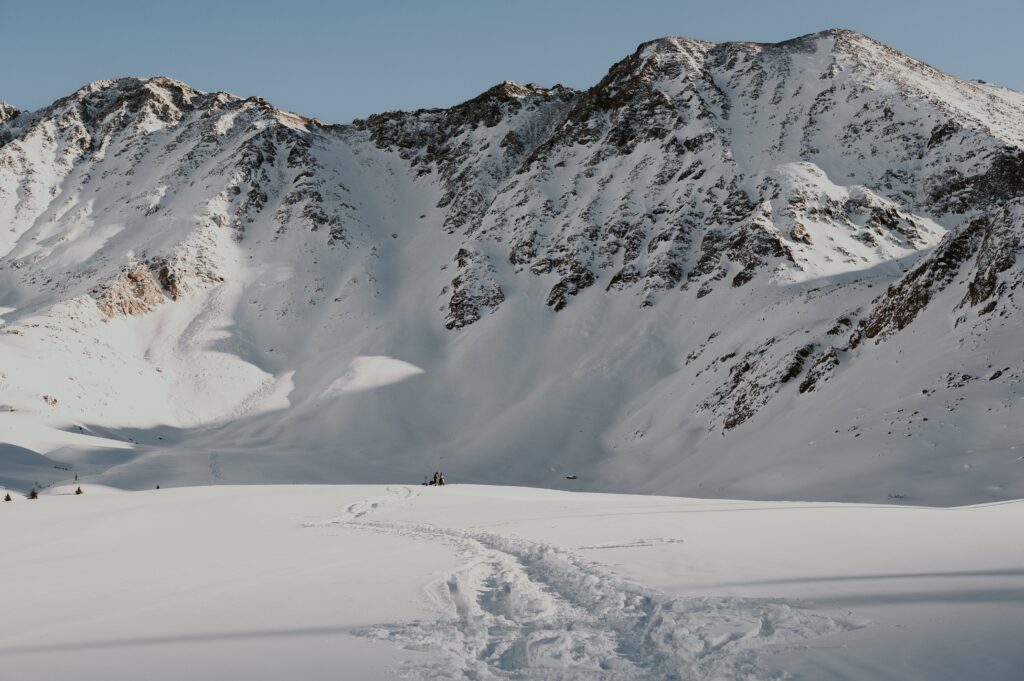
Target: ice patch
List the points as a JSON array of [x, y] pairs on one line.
[[372, 371]]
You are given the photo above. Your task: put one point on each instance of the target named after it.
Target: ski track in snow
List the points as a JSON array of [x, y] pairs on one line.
[[517, 609]]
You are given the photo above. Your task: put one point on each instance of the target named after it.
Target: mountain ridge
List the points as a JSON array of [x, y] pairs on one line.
[[714, 255]]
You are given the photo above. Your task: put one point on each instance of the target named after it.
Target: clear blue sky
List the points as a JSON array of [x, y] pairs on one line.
[[341, 60]]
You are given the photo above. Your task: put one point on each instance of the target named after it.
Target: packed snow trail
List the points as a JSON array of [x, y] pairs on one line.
[[358, 509], [516, 609]]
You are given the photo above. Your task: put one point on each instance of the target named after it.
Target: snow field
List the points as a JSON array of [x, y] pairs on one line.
[[484, 582]]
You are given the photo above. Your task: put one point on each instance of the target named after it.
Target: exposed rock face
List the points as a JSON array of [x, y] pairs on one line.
[[995, 273], [821, 369], [7, 113], [985, 250], [471, 295], [473, 146], [135, 292]]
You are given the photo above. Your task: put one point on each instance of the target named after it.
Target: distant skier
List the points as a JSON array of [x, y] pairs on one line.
[[437, 476]]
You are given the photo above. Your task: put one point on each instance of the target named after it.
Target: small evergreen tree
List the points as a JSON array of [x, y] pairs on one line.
[[7, 497], [33, 494], [78, 491]]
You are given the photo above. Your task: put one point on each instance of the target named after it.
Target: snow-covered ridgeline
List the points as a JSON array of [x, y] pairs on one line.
[[726, 269]]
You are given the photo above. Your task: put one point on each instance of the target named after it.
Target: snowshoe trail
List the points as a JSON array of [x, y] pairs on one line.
[[358, 509], [522, 610]]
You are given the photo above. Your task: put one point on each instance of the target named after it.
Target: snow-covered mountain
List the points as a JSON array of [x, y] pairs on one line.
[[734, 269]]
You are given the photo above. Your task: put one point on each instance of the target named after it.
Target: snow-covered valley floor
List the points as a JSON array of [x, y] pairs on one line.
[[478, 582]]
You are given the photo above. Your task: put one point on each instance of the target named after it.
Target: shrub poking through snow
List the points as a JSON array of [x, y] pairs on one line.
[[79, 491], [7, 497], [33, 494]]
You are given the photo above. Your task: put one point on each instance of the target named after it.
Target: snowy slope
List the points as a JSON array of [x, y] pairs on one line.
[[374, 582], [734, 270]]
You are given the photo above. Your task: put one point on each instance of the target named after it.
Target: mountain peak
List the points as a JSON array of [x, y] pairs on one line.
[[843, 37], [670, 44], [7, 112], [129, 84], [684, 43], [845, 33], [508, 90]]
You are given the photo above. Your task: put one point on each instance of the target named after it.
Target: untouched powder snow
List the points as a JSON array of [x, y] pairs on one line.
[[375, 582]]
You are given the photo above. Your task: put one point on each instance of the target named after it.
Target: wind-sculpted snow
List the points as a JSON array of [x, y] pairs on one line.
[[735, 269]]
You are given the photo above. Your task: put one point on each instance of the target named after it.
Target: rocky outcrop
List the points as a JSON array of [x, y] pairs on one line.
[[904, 300], [472, 291], [986, 248], [996, 272], [135, 292], [473, 146]]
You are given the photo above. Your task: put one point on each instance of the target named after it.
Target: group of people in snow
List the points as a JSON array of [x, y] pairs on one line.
[[436, 481]]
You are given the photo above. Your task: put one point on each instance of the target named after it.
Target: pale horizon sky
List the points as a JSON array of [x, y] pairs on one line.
[[341, 60]]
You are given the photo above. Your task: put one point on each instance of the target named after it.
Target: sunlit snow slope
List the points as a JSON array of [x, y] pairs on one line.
[[738, 269]]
